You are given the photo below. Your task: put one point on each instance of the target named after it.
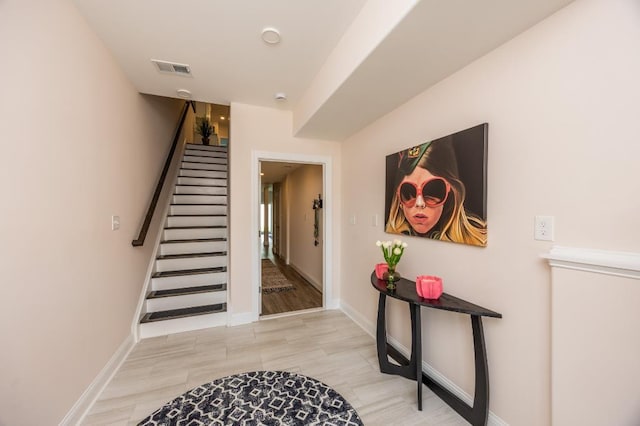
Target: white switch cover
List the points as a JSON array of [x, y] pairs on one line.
[[374, 220], [543, 228], [352, 219], [115, 223]]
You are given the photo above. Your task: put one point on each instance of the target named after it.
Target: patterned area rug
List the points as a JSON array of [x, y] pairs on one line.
[[273, 280], [258, 398]]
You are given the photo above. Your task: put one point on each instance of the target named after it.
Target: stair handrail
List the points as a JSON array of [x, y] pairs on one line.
[[156, 195]]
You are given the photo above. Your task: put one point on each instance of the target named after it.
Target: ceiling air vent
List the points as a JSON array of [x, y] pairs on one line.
[[172, 68]]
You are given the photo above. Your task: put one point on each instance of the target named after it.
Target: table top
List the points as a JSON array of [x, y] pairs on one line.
[[406, 290]]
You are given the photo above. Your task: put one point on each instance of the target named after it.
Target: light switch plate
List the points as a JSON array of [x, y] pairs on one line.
[[115, 223]]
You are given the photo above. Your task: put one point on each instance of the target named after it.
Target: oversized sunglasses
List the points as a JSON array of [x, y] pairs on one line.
[[433, 191]]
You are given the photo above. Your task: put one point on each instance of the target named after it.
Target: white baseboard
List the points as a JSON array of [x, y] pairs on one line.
[[370, 328], [241, 318], [91, 394], [307, 277]]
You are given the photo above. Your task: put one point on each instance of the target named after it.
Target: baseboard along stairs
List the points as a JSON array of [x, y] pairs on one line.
[[188, 289]]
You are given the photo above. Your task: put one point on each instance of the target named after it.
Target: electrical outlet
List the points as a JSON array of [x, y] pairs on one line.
[[543, 228], [115, 223]]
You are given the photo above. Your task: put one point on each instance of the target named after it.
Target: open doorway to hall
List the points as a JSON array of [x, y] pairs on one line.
[[291, 225]]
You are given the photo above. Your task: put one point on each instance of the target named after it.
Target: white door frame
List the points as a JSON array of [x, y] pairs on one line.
[[327, 237]]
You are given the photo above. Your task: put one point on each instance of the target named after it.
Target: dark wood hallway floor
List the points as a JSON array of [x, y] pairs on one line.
[[304, 295]]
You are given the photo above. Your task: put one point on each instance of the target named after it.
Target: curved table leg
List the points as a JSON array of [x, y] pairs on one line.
[[412, 368]]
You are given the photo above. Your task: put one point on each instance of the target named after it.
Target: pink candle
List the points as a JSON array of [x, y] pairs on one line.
[[429, 286], [381, 268]]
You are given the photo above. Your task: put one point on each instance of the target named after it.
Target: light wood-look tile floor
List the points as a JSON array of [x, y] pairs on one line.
[[325, 345]]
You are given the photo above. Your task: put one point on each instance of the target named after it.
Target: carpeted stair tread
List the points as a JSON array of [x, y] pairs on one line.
[[184, 312], [189, 272], [197, 215], [195, 227], [186, 290], [191, 255], [194, 240]]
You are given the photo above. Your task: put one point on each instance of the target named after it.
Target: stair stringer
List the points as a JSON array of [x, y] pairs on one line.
[[165, 196], [188, 323]]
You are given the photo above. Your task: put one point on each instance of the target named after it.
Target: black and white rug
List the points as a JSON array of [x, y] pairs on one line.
[[258, 398]]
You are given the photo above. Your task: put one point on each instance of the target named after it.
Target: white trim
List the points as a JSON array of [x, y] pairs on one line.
[[621, 264], [310, 280], [441, 379], [141, 308], [241, 318], [327, 183], [93, 391], [290, 314]]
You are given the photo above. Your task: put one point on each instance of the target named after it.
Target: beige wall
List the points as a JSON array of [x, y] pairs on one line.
[[304, 185], [561, 101], [265, 129], [79, 144]]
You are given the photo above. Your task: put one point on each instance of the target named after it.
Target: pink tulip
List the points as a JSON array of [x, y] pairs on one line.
[[381, 268], [429, 286]]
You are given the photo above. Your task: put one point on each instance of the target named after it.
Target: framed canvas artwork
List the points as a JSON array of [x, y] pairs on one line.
[[438, 189]]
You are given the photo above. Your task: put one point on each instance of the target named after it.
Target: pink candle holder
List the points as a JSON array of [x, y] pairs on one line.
[[429, 286], [381, 268]]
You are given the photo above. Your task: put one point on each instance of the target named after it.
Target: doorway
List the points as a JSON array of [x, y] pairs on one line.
[[291, 232]]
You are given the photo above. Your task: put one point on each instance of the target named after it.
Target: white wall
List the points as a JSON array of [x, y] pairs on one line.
[[304, 185], [264, 129], [79, 144], [561, 101]]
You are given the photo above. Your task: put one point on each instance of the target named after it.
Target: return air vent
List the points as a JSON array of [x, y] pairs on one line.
[[172, 68]]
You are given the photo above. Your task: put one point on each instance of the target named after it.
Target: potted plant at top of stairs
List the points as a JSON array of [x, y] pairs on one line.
[[204, 129]]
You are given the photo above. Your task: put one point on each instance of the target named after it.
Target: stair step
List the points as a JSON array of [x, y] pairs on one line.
[[218, 148], [183, 312], [199, 199], [191, 255], [193, 240], [186, 290], [203, 166], [202, 181], [210, 174], [196, 221], [200, 190], [203, 153], [204, 159], [195, 209], [195, 233], [189, 272]]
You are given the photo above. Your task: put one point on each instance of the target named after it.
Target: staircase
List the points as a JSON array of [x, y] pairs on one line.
[[188, 289]]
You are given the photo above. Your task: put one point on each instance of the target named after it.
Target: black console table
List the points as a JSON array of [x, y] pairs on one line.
[[412, 368]]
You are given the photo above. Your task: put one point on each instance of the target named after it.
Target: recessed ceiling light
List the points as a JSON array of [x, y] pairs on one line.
[[261, 174], [280, 96], [271, 36], [222, 117], [184, 94]]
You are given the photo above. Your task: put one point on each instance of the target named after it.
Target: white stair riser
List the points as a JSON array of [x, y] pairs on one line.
[[201, 181], [176, 221], [178, 325], [199, 199], [186, 301], [203, 166], [200, 147], [201, 190], [193, 247], [201, 153], [197, 209], [182, 281], [204, 159], [203, 173], [195, 233], [163, 265]]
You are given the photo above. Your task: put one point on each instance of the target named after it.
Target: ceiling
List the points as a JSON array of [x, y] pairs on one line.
[[275, 171], [341, 63]]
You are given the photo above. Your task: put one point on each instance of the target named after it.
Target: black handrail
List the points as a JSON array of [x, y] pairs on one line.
[[156, 195]]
